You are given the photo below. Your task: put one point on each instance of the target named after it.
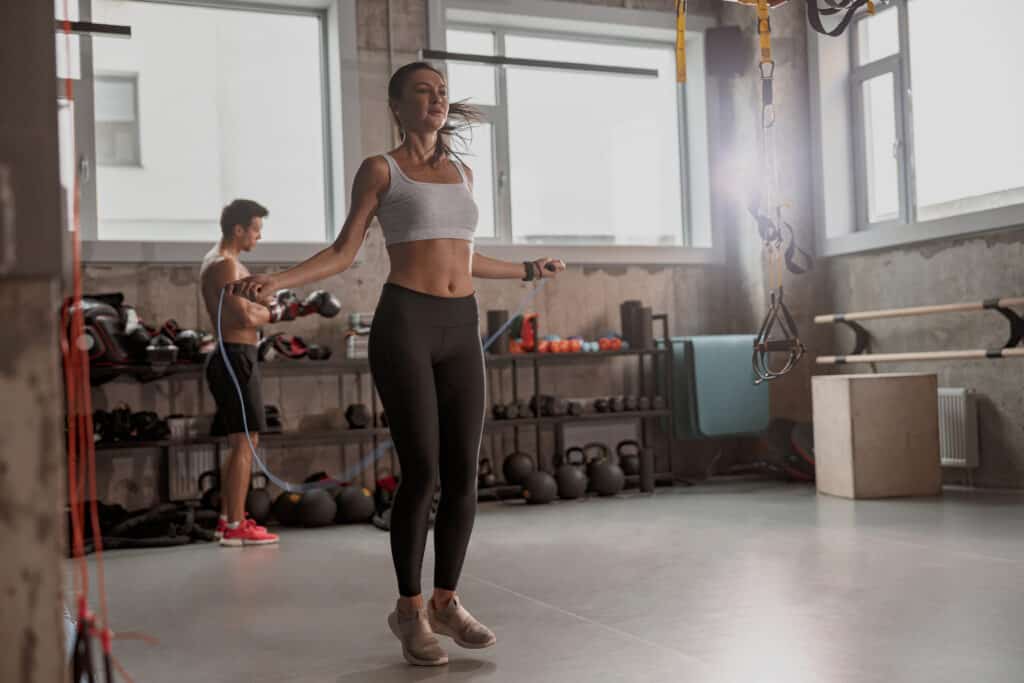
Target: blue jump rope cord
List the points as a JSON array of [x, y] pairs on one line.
[[374, 455]]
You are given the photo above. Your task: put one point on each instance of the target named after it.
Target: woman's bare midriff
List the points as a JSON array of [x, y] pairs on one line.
[[438, 267]]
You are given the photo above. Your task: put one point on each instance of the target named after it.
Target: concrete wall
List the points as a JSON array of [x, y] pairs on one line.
[[31, 422]]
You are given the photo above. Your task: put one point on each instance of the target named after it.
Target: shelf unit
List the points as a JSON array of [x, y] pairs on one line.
[[647, 360]]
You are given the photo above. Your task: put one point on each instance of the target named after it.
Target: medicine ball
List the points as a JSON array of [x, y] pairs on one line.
[[539, 488], [606, 479], [257, 504], [286, 508], [317, 508], [516, 467], [355, 505], [572, 482]]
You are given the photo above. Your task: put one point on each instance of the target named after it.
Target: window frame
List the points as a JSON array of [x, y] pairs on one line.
[[595, 24], [829, 60], [339, 75]]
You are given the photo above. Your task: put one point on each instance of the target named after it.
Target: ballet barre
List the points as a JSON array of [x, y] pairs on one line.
[[861, 352]]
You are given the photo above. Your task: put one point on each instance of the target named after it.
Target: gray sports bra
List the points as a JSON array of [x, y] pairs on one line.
[[411, 210]]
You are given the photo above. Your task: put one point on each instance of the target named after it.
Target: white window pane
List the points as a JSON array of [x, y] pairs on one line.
[[480, 158], [589, 165], [232, 106], [115, 99], [472, 81], [878, 36], [968, 105], [880, 149]]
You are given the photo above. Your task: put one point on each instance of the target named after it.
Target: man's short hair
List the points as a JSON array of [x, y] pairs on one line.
[[240, 212]]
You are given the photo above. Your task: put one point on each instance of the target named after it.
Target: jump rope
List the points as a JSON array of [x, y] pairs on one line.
[[378, 452]]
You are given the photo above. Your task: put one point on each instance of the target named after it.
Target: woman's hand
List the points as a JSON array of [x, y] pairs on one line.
[[258, 288], [549, 267]]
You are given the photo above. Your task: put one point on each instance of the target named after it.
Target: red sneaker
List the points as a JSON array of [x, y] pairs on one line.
[[222, 526], [247, 533]]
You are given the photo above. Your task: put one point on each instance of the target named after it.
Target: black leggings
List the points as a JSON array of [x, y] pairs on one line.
[[428, 366]]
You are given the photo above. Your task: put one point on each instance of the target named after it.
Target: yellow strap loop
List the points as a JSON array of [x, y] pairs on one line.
[[681, 41], [764, 30]]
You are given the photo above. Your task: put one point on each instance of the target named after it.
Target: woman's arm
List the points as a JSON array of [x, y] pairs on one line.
[[496, 269], [371, 181]]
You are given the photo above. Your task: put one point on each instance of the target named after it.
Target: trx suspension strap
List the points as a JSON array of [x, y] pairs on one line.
[[778, 333], [815, 12]]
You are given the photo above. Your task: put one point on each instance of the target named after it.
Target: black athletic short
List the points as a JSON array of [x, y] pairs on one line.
[[229, 408]]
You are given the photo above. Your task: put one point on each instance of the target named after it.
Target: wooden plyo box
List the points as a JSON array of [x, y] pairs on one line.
[[877, 436]]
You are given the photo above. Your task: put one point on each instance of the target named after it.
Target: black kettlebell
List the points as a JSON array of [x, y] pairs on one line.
[[570, 477], [616, 404], [601, 405], [643, 403], [629, 403], [486, 478], [211, 496], [629, 456], [606, 478]]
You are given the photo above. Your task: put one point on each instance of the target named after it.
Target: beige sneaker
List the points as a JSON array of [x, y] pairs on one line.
[[419, 644], [457, 623]]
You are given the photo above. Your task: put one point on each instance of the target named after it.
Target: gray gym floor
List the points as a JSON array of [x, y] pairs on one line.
[[728, 581]]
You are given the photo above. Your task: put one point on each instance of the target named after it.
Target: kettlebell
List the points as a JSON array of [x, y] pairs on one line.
[[629, 456], [487, 478], [570, 477]]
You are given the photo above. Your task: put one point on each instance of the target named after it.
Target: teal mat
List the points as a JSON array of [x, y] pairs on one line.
[[713, 390]]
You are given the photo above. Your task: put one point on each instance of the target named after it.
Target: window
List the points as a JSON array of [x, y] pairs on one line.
[[117, 121], [233, 104], [934, 108], [578, 158]]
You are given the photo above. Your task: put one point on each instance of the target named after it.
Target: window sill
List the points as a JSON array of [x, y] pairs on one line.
[[967, 225], [605, 255], [192, 253]]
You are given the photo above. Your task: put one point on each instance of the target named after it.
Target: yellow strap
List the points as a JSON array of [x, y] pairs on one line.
[[871, 6], [681, 41], [764, 30]]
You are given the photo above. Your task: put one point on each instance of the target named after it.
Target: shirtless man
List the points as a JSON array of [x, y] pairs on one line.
[[241, 224]]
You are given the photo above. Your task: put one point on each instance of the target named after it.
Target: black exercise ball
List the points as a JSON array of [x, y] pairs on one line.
[[516, 467], [286, 508], [317, 508], [572, 482], [257, 504], [606, 479], [355, 505], [539, 488]]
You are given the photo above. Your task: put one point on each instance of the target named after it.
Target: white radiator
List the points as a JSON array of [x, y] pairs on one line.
[[958, 428]]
